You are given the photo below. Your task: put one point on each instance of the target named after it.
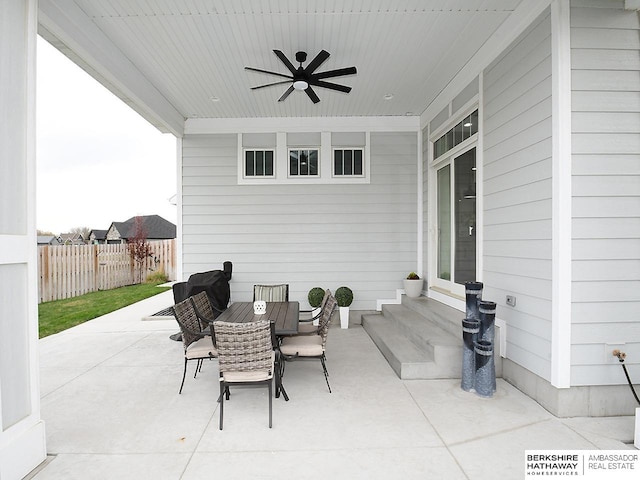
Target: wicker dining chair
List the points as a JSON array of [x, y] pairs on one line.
[[205, 312], [245, 357], [305, 346], [197, 344], [271, 293]]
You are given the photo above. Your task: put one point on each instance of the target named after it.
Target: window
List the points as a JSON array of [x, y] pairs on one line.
[[303, 163], [348, 162], [458, 134], [258, 163], [340, 158]]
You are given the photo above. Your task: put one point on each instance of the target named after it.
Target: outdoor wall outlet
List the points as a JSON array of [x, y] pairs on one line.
[[511, 300], [609, 357]]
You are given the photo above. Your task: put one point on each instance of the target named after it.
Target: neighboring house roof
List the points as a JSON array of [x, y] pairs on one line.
[[157, 228], [98, 234], [48, 240]]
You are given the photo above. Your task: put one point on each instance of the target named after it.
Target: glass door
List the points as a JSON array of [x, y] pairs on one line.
[[456, 221]]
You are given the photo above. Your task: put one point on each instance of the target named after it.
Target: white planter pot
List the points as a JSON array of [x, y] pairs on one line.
[[413, 288], [314, 312], [344, 317]]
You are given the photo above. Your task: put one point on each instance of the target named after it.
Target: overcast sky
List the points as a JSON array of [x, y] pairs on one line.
[[98, 161]]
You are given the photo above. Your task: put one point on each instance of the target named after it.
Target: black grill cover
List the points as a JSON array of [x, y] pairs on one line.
[[215, 283]]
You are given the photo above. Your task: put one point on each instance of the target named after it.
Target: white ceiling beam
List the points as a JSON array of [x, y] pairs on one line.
[[303, 124], [69, 29]]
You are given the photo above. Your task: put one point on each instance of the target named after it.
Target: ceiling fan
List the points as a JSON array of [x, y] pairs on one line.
[[304, 78]]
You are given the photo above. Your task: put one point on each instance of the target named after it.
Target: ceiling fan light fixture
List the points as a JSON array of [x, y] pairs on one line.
[[302, 78]]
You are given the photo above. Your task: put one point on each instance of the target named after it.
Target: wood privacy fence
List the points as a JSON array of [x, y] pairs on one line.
[[67, 271]]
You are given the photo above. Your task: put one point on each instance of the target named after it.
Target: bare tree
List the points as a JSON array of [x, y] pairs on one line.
[[139, 248]]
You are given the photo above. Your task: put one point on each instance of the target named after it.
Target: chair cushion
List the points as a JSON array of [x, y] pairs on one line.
[[303, 345], [252, 376], [307, 327], [203, 348]]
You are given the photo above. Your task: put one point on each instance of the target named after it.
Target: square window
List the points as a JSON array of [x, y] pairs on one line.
[[303, 163], [258, 163], [348, 162]]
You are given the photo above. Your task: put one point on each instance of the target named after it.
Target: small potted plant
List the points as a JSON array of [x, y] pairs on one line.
[[413, 285], [344, 297], [316, 294]]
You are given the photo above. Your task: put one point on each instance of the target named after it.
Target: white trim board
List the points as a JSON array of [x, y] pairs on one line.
[[561, 196], [302, 124]]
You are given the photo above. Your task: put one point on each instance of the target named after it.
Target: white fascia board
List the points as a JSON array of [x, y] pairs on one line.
[[302, 124], [64, 23], [525, 13]]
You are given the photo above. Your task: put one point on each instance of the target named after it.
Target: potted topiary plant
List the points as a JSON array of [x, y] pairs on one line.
[[344, 297], [413, 285], [316, 294]]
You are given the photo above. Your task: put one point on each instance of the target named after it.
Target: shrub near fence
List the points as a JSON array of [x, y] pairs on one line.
[[67, 271]]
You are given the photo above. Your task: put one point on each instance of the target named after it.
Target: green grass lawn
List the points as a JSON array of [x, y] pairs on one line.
[[62, 314]]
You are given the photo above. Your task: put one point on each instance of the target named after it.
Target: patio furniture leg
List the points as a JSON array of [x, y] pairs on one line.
[[326, 373], [227, 392], [223, 388], [270, 402], [279, 367], [184, 374]]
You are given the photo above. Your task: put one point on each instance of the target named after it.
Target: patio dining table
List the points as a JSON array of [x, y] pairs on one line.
[[284, 315]]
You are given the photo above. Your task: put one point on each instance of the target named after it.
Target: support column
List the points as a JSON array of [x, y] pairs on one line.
[[22, 435]]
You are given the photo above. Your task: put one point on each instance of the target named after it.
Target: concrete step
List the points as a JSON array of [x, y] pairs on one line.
[[444, 316], [421, 328], [415, 347]]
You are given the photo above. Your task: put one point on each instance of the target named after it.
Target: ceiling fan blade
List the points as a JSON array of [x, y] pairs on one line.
[[270, 84], [286, 94], [312, 95], [316, 62], [336, 73], [329, 85], [283, 58], [267, 71]]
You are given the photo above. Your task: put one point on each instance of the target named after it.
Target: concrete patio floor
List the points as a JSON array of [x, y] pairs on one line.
[[112, 411]]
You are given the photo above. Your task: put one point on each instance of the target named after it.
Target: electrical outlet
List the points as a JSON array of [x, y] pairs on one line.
[[608, 352], [511, 300]]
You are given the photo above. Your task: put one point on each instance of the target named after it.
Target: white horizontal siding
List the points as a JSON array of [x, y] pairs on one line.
[[517, 194], [605, 41], [362, 236], [594, 101]]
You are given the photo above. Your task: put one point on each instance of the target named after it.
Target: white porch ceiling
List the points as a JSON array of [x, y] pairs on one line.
[[169, 58]]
